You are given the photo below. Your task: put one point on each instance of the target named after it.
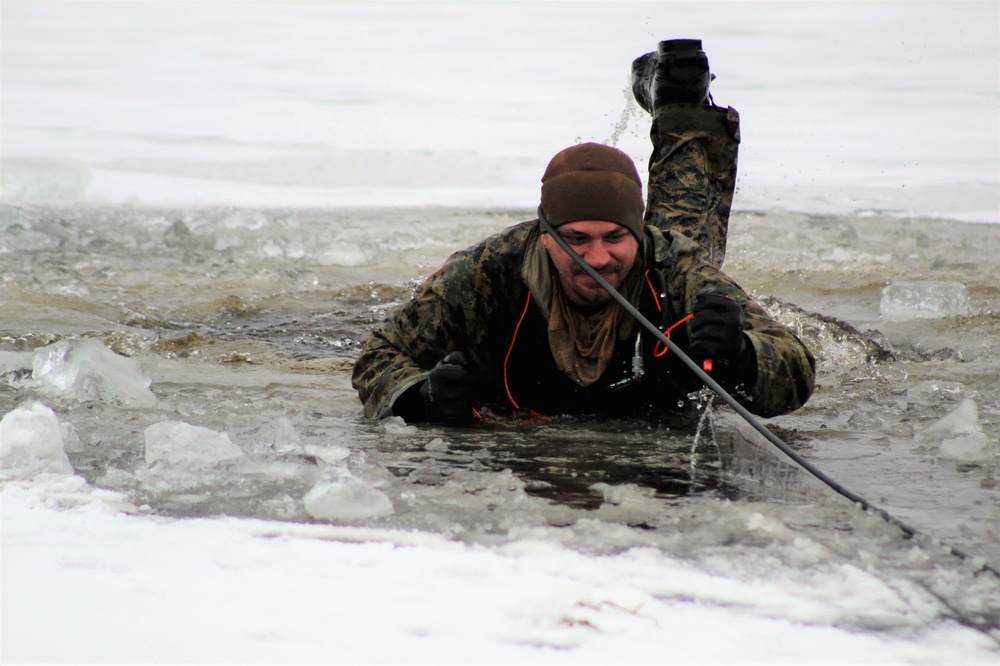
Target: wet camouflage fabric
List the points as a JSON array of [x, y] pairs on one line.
[[464, 306], [474, 303], [786, 369], [692, 174]]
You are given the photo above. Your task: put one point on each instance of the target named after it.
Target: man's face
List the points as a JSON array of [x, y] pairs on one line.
[[609, 248]]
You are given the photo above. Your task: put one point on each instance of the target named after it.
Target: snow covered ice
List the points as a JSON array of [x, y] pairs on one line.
[[31, 443], [206, 205], [179, 442]]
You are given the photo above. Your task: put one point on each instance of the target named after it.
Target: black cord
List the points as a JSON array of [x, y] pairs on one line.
[[731, 401]]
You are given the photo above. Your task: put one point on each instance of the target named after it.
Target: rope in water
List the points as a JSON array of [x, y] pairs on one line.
[[736, 406]]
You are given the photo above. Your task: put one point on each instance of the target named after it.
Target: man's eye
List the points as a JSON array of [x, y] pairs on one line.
[[575, 239]]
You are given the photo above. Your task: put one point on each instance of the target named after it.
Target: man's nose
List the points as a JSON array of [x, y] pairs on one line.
[[597, 254]]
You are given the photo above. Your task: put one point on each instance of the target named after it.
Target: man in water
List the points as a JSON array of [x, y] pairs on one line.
[[514, 323]]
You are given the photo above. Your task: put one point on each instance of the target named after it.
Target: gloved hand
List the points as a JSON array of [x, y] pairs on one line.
[[447, 393], [717, 334]]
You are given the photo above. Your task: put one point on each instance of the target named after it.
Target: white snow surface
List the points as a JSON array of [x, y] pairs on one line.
[[89, 584], [846, 106]]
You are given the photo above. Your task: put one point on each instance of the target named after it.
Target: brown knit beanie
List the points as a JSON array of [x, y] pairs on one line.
[[591, 181]]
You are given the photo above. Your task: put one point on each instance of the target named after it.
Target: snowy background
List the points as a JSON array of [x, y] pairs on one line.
[[847, 107]]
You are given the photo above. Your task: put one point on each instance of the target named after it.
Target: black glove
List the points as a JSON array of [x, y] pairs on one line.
[[717, 334], [447, 393]]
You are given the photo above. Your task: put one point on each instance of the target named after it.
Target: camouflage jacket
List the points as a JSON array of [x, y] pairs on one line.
[[478, 303]]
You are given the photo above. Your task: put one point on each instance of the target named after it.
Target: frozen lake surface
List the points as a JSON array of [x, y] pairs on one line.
[[205, 210]]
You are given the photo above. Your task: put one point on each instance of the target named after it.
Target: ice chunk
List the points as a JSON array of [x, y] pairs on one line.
[[339, 495], [117, 479], [968, 448], [15, 367], [961, 434], [280, 437], [343, 254], [43, 179], [251, 220], [332, 454], [91, 371], [71, 441], [179, 236], [31, 443], [627, 502], [179, 442], [437, 444], [903, 301]]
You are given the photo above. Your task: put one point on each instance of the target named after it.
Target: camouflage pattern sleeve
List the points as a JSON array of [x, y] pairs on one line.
[[461, 307], [382, 374], [692, 174], [786, 369], [692, 179]]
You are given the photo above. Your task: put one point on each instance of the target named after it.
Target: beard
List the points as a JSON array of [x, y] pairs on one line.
[[582, 289]]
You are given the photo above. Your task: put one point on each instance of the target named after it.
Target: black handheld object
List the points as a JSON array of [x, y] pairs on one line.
[[717, 330], [718, 343]]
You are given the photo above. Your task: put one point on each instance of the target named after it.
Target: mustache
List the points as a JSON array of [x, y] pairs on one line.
[[616, 267]]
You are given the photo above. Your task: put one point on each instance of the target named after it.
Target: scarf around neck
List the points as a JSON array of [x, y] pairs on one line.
[[582, 345]]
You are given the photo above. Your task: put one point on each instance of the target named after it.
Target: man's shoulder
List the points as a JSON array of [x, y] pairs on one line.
[[505, 246], [514, 236]]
